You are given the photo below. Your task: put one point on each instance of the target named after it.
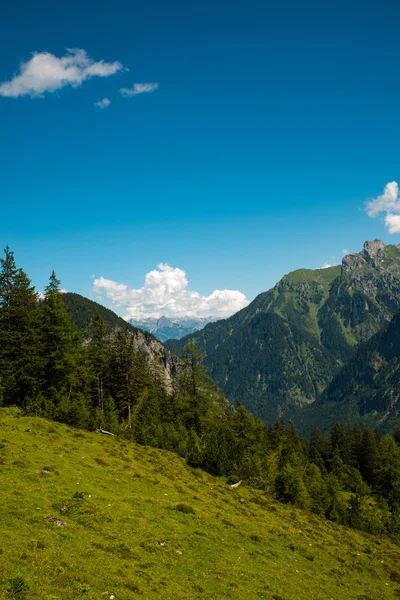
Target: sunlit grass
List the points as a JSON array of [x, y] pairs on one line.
[[140, 524]]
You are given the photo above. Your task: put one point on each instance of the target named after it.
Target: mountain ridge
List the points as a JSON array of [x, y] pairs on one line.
[[282, 350]]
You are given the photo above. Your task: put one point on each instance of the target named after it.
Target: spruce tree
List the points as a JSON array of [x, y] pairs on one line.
[[99, 356], [195, 390], [20, 368], [66, 373]]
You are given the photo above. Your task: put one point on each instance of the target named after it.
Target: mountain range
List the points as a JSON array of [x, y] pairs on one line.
[[165, 328], [282, 352], [317, 348]]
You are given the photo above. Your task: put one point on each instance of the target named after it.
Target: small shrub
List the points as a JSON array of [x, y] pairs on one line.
[[227, 523], [132, 587], [102, 462], [79, 495], [185, 508], [309, 556], [17, 587]]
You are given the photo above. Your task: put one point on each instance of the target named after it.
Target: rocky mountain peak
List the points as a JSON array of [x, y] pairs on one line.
[[371, 254], [373, 249]]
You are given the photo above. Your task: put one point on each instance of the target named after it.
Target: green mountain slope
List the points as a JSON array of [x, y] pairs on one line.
[[84, 311], [136, 522], [283, 349], [366, 389]]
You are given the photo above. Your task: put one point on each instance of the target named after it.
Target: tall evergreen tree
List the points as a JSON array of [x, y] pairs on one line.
[[65, 362], [196, 392], [99, 355], [19, 333]]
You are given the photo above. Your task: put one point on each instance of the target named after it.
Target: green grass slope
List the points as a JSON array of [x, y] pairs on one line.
[[140, 524]]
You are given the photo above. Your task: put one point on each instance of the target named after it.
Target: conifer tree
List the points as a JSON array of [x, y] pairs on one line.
[[99, 356], [19, 334], [195, 390], [65, 363]]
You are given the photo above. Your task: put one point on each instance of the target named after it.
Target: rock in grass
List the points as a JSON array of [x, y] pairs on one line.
[[56, 521]]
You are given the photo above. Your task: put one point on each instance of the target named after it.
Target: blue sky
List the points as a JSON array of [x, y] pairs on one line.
[[272, 124]]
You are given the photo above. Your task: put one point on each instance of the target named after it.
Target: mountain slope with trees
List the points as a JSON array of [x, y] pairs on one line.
[[366, 389], [283, 350], [85, 313]]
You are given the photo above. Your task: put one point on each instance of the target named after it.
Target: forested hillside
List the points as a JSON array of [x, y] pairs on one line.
[[283, 350], [366, 389]]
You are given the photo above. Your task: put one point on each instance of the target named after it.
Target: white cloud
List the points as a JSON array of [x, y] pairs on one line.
[[139, 88], [392, 222], [389, 205], [105, 103], [332, 262], [44, 72], [345, 252], [165, 292]]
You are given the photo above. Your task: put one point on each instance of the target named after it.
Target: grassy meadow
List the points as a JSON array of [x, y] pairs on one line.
[[88, 516]]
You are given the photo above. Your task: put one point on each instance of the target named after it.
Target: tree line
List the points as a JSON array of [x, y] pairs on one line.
[[47, 368]]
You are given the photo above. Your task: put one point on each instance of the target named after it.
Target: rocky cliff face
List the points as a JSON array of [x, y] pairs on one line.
[[367, 294], [157, 356]]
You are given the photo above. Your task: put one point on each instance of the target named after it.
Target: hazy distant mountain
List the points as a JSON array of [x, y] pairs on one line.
[[166, 328], [284, 349]]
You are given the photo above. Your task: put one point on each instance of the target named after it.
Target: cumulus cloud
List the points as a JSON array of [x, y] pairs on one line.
[[165, 292], [139, 88], [105, 103], [387, 204], [45, 72]]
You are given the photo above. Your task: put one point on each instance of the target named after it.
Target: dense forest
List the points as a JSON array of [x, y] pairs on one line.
[[99, 380]]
